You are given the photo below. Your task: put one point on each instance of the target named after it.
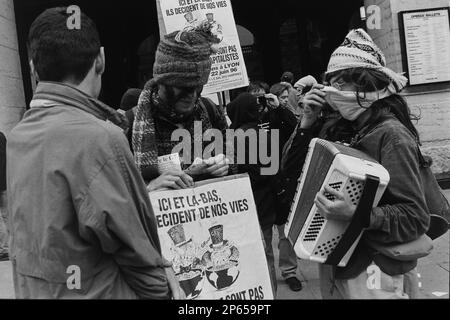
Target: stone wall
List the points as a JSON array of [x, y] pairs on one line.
[[12, 99], [431, 102]]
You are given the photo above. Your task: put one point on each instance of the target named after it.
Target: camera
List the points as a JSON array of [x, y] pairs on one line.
[[262, 100]]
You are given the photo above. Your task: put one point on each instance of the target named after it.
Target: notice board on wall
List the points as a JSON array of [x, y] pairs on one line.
[[425, 36]]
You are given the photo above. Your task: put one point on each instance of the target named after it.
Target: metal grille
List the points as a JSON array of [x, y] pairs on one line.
[[326, 248], [314, 228], [354, 190]]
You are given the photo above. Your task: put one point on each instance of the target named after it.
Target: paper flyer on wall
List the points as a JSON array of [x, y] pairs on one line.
[[211, 235], [228, 66]]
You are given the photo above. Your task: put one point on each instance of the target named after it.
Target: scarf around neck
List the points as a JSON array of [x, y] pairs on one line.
[[154, 123]]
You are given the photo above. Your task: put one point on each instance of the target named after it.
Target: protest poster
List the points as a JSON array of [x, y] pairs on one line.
[[211, 235], [228, 67]]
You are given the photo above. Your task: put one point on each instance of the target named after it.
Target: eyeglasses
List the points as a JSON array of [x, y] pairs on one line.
[[338, 84]]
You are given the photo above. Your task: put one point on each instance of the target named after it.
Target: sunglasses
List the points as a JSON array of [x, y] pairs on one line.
[[183, 91]]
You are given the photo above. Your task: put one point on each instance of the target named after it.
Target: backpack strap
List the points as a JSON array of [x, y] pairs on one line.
[[360, 221]]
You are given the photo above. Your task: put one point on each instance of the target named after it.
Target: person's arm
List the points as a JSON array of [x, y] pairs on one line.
[[218, 166], [296, 149], [406, 216], [402, 215], [288, 119], [115, 213]]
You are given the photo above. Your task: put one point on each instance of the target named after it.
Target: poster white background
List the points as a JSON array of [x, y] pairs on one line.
[[241, 231], [228, 68]]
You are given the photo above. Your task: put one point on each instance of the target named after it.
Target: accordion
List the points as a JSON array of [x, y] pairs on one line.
[[346, 170]]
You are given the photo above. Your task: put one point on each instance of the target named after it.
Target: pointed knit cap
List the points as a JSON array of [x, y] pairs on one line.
[[359, 51]]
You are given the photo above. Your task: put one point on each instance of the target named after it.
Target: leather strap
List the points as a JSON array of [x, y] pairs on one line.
[[360, 220]]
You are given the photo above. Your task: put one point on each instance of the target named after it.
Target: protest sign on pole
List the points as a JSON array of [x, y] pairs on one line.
[[211, 235], [228, 66]]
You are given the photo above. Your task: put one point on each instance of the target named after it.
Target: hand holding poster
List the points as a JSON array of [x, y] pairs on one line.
[[228, 67], [211, 235]]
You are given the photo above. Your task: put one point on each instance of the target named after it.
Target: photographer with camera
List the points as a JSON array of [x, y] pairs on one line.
[[274, 115]]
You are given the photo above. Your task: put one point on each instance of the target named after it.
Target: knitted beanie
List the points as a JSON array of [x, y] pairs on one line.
[[359, 51], [183, 59]]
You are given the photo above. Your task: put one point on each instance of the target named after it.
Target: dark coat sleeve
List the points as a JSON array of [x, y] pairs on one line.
[[403, 215]]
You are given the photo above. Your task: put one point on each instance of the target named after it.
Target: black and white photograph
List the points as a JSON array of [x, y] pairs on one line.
[[225, 151]]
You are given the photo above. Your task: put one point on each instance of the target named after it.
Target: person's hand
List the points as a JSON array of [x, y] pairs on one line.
[[171, 180], [307, 81], [313, 103], [339, 209], [218, 166], [272, 101], [175, 291], [197, 168]]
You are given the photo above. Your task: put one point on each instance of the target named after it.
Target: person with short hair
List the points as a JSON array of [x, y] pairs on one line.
[[287, 257], [287, 77], [258, 88], [82, 226]]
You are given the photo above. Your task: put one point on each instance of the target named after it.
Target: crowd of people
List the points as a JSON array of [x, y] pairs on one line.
[[79, 171]]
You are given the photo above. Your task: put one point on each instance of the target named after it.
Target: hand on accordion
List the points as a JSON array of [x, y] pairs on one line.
[[335, 205]]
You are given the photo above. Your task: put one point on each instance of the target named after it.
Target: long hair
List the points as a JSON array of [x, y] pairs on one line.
[[369, 80]]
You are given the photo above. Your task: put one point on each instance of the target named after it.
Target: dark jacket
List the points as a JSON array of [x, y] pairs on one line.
[[243, 112], [75, 198], [283, 120], [401, 215]]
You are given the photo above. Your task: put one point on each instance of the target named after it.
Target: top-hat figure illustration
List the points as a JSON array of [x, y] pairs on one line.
[[216, 28], [191, 22], [221, 261], [187, 266]]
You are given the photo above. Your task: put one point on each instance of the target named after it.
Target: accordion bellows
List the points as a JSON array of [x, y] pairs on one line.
[[344, 169]]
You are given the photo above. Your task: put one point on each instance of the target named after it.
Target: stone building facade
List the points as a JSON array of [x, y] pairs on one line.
[[431, 102], [12, 99]]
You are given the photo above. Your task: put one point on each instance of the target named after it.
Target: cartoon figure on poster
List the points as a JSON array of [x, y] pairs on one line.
[[221, 261], [216, 28], [187, 266], [191, 22]]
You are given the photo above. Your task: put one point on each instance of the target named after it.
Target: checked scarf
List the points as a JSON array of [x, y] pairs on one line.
[[154, 124]]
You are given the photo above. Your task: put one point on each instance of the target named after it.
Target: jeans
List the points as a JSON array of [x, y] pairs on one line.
[[268, 248], [4, 236], [288, 258]]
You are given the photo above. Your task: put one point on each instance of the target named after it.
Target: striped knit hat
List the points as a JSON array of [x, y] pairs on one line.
[[359, 51], [183, 59]]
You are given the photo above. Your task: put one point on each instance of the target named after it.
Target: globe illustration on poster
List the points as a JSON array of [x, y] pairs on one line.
[[221, 261], [188, 267]]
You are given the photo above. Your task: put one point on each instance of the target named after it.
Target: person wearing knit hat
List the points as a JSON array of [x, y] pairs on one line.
[[130, 99], [375, 119], [172, 100]]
